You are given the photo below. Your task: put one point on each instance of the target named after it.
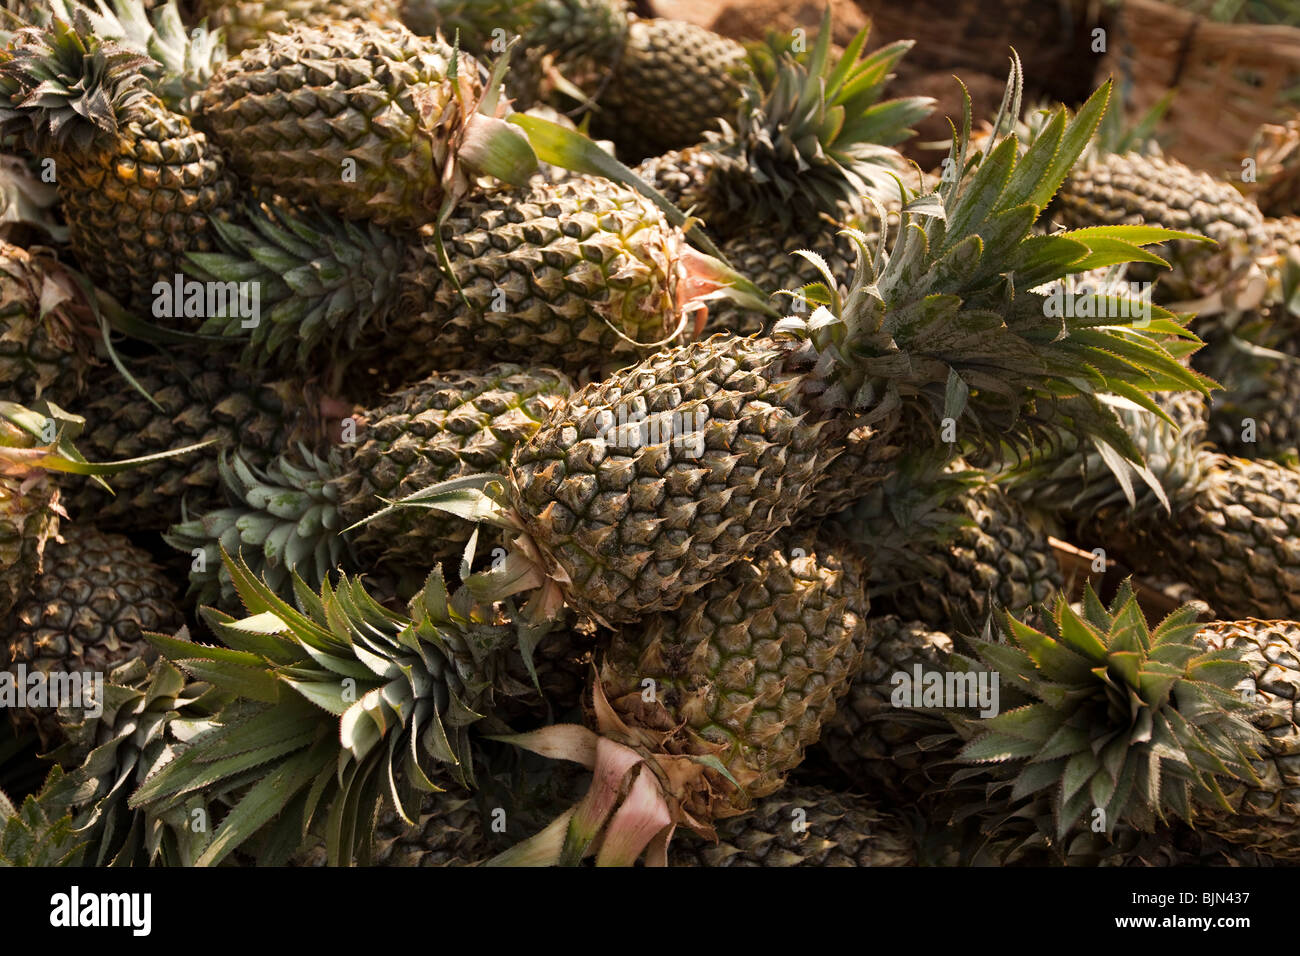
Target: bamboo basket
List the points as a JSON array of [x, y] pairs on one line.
[[1231, 78]]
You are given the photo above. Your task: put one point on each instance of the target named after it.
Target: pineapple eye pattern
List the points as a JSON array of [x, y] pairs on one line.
[[542, 433]]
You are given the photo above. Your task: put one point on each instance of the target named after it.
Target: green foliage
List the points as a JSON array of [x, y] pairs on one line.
[[1139, 724], [335, 707]]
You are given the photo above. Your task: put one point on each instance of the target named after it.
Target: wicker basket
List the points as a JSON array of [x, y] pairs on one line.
[[1231, 78]]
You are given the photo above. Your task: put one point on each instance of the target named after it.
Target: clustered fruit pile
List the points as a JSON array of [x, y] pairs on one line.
[[532, 515]]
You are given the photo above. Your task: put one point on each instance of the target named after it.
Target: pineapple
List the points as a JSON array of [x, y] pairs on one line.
[[583, 274], [814, 138], [658, 84], [1254, 352], [195, 403], [449, 832], [669, 83], [1187, 721], [951, 549], [138, 183], [47, 325], [247, 22], [706, 709], [296, 512], [872, 743], [577, 274], [1226, 526], [87, 612], [805, 826], [1135, 188], [644, 487], [370, 121], [784, 164]]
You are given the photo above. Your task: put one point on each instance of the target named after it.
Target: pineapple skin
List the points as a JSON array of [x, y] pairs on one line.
[[672, 82], [87, 611], [295, 109], [451, 424], [248, 23], [1232, 536], [139, 202], [449, 832], [1000, 560], [803, 826], [39, 352], [865, 461], [748, 670], [559, 276], [637, 526], [1267, 817], [199, 402], [866, 741], [1133, 188]]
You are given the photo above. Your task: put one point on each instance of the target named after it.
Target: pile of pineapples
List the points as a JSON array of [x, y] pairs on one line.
[[432, 483]]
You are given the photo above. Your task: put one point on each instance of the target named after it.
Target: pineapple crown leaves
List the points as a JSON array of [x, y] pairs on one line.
[[1083, 478], [569, 27], [815, 132], [954, 319], [149, 715], [335, 704], [916, 508], [324, 281], [285, 520], [184, 58], [1138, 723], [65, 86], [32, 835]]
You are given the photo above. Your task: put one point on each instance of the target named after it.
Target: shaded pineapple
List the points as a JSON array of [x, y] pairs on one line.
[[87, 612], [804, 826], [199, 402], [671, 82], [247, 22], [449, 833], [952, 548], [1228, 526], [872, 744], [723, 696], [139, 184], [47, 326]]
